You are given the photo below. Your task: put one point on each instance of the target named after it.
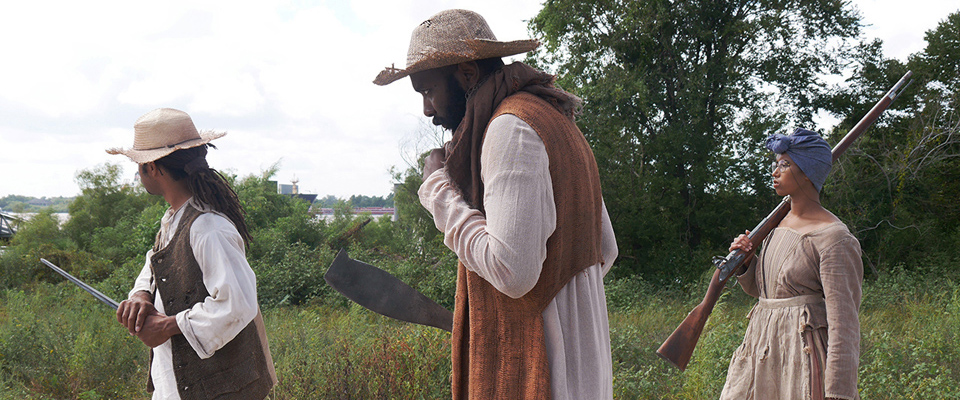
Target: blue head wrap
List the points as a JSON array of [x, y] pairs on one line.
[[808, 150]]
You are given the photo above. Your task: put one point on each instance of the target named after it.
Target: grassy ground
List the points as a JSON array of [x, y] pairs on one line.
[[58, 343]]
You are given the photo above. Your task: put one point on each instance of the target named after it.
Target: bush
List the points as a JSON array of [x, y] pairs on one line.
[[59, 342]]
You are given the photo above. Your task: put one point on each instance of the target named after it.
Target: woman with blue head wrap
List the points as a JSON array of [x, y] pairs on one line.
[[807, 150], [808, 274]]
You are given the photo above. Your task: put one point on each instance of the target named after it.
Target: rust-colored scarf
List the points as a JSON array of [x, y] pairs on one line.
[[463, 161]]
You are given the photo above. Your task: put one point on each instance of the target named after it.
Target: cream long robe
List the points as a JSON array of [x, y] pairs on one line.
[[232, 304], [805, 328], [507, 247]]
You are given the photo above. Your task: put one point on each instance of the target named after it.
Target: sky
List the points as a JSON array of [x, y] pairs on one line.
[[290, 81]]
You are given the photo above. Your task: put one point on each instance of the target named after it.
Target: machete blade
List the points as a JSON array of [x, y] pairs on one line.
[[380, 292]]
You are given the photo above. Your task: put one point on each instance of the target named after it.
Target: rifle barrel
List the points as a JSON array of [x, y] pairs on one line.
[[96, 293]]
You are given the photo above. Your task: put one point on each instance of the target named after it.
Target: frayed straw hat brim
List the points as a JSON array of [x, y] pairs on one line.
[[451, 37], [148, 155], [478, 49]]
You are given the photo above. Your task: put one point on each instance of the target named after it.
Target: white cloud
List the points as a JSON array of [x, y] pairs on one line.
[[289, 80]]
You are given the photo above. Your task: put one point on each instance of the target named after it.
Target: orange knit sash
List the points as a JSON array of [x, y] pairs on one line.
[[499, 350]]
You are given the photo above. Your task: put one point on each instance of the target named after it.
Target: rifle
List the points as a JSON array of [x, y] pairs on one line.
[[679, 346], [100, 296]]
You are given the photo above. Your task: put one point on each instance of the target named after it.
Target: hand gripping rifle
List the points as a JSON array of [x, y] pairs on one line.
[[678, 348]]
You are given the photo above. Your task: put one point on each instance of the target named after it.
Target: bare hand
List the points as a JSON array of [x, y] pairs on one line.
[[133, 312], [433, 162], [157, 329], [742, 243]]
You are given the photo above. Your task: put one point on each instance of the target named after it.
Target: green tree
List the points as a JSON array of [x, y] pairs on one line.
[[104, 200], [678, 97], [898, 187]]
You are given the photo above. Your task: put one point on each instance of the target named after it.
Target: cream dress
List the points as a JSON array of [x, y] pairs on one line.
[[803, 339]]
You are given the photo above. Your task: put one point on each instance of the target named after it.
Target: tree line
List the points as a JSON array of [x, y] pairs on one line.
[[679, 96]]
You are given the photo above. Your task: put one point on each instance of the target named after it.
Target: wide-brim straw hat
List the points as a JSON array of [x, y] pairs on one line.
[[452, 37], [161, 132]]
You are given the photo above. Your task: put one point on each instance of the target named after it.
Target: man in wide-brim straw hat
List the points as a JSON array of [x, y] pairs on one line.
[[195, 301], [516, 193]]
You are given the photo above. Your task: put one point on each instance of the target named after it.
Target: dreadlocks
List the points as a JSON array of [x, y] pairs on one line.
[[207, 184]]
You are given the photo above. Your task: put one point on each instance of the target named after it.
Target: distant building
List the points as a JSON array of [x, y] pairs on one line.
[[294, 191]]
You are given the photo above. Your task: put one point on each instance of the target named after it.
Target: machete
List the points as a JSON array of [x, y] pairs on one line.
[[380, 292], [100, 296]]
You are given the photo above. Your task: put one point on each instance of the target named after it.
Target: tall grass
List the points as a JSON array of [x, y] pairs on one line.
[[56, 342]]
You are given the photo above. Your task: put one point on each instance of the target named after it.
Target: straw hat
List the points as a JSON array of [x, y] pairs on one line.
[[161, 132], [452, 37]]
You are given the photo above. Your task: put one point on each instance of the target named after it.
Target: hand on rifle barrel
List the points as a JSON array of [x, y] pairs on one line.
[[742, 242], [142, 319], [158, 328], [133, 312]]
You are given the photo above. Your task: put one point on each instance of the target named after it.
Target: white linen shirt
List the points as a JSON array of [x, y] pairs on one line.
[[228, 278], [508, 247]]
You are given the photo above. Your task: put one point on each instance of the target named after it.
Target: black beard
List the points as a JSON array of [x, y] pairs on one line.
[[456, 107]]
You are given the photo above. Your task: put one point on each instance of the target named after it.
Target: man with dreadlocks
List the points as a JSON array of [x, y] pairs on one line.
[[516, 193], [195, 301]]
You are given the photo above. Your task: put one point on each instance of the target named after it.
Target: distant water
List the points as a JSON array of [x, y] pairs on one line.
[[63, 217]]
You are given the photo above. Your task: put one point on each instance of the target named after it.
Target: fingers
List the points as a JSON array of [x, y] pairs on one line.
[[142, 316], [131, 317], [742, 242], [132, 313], [120, 309], [125, 311], [433, 162]]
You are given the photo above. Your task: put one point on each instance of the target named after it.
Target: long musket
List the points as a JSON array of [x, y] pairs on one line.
[[96, 293], [678, 348]]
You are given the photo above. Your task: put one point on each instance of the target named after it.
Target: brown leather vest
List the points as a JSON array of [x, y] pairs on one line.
[[499, 351], [243, 368]]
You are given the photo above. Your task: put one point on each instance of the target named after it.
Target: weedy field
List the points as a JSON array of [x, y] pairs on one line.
[[57, 342]]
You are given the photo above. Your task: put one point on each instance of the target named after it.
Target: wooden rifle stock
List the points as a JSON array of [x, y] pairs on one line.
[[679, 346]]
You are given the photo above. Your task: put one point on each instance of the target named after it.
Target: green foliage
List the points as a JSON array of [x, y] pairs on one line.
[[41, 237], [677, 98], [897, 187], [28, 204], [57, 342], [60, 343], [330, 201], [323, 353], [103, 201], [909, 324], [425, 238]]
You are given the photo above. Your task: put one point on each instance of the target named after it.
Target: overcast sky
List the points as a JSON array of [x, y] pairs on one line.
[[290, 81]]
